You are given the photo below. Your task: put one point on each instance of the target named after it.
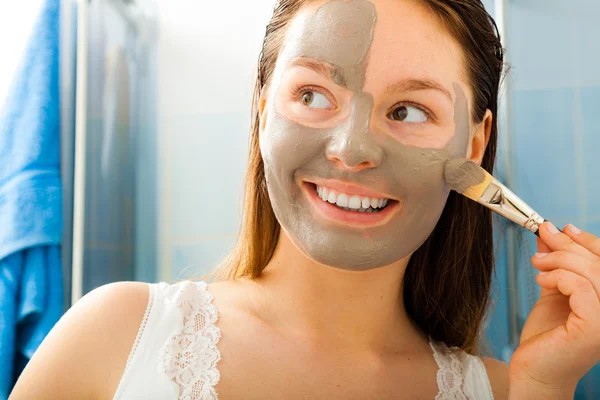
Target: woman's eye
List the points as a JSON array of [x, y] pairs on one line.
[[316, 100], [408, 114]]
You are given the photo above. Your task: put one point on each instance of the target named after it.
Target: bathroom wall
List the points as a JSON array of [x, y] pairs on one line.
[[207, 54], [555, 125]]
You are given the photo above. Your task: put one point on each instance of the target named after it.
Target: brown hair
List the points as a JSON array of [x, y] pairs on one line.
[[447, 281]]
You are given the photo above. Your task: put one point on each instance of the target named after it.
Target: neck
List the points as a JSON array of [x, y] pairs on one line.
[[358, 310]]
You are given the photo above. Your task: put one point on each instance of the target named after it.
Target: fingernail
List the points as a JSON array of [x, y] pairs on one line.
[[574, 229], [542, 273], [541, 255], [552, 229]]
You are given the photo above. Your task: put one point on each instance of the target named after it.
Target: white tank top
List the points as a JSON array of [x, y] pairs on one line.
[[175, 353]]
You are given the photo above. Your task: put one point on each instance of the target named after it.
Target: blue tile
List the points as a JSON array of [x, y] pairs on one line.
[[496, 331], [544, 152], [554, 43], [208, 163], [592, 227], [540, 45], [585, 33], [590, 131], [588, 387], [489, 6]]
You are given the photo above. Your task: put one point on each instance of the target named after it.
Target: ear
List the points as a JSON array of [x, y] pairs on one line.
[[480, 139]]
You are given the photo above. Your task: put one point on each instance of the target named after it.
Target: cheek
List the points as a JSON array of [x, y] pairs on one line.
[[428, 189], [423, 135], [287, 146], [418, 172]]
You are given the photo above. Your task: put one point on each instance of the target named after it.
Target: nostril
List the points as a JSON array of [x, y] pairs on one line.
[[353, 167], [356, 160]]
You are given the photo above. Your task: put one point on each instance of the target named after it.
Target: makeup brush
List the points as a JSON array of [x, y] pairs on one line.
[[469, 179]]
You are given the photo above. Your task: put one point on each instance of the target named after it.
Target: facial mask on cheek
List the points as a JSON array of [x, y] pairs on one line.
[[340, 33]]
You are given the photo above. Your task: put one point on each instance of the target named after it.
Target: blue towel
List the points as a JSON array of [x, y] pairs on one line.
[[30, 201]]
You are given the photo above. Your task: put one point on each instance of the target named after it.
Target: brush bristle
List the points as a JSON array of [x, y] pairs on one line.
[[467, 178]]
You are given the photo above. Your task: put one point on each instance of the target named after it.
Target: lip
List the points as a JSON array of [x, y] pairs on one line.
[[353, 218], [349, 188]]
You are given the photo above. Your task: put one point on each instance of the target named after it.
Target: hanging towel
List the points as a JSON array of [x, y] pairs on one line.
[[30, 200]]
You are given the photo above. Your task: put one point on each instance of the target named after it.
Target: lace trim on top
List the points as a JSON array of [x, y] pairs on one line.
[[189, 357], [450, 374]]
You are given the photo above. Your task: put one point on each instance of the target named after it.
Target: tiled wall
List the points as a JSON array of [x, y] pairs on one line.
[[203, 127], [554, 136]]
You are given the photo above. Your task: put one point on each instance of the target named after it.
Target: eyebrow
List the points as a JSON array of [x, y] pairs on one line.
[[322, 68], [334, 72], [410, 85]]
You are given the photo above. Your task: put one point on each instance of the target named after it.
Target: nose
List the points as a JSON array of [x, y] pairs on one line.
[[353, 147]]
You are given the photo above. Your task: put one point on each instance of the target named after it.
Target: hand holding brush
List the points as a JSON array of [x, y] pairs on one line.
[[560, 341]]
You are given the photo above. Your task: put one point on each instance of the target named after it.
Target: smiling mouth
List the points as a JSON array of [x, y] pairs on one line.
[[350, 202]]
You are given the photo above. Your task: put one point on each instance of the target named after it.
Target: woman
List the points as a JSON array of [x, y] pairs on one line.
[[356, 269]]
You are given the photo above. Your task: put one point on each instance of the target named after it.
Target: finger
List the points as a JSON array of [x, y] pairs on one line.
[[541, 246], [583, 299], [584, 239], [572, 262], [557, 240], [544, 249]]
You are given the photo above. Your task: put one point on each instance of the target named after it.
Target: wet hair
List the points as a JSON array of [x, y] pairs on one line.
[[448, 279]]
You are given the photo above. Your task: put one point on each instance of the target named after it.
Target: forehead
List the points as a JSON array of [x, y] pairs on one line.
[[397, 39], [336, 31]]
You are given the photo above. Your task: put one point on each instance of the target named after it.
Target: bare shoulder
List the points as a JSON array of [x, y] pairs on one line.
[[498, 374], [84, 355], [231, 295]]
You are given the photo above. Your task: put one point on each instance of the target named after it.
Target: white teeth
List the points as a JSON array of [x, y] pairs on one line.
[[354, 202], [342, 200], [332, 197], [366, 202]]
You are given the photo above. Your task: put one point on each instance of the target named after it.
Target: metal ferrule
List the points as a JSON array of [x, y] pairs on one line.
[[503, 201]]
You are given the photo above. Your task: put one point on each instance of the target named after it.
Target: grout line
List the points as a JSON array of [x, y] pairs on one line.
[[163, 137], [580, 168], [578, 117], [592, 220], [196, 239], [167, 271], [544, 88]]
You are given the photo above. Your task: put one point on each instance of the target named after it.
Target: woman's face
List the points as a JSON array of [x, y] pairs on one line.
[[367, 102]]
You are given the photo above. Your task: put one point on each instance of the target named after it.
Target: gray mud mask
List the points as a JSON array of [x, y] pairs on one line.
[[340, 33]]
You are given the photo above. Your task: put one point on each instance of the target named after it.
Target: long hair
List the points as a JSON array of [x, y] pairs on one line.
[[447, 281]]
